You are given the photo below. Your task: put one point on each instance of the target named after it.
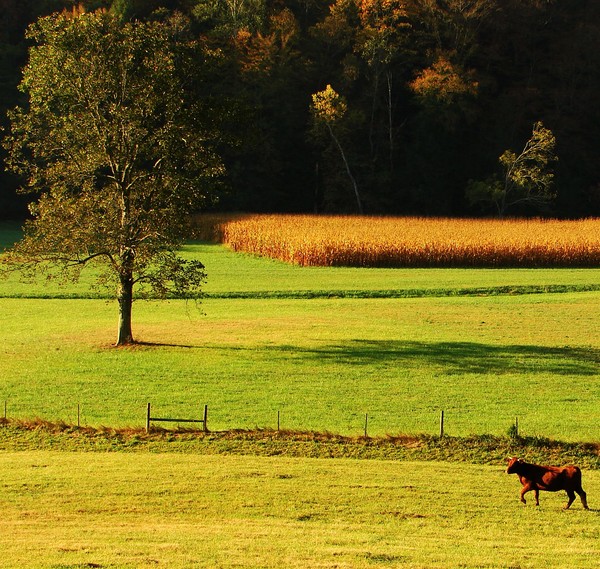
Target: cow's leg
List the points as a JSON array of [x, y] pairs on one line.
[[537, 497], [524, 490], [583, 497], [527, 488], [571, 495]]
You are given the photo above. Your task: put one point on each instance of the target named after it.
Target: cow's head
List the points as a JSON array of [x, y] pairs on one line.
[[513, 465]]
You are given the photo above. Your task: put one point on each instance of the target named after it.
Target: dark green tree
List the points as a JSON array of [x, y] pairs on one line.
[[117, 151], [228, 17]]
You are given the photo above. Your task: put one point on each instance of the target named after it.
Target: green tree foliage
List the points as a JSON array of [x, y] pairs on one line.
[[383, 39], [527, 177], [117, 150], [435, 91], [228, 17], [372, 40]]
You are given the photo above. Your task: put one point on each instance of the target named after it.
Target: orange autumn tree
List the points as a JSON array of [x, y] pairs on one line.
[[263, 50], [446, 91], [444, 82]]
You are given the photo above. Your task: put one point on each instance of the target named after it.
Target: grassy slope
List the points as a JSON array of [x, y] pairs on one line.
[[121, 510], [323, 363], [154, 508]]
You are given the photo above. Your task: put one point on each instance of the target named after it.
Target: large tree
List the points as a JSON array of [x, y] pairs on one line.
[[116, 143]]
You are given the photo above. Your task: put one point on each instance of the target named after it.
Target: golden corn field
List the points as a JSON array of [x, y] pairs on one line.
[[319, 240]]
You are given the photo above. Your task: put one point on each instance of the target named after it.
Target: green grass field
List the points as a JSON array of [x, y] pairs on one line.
[[322, 363], [258, 345], [121, 510]]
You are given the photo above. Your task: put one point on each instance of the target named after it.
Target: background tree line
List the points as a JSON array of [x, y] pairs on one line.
[[384, 106]]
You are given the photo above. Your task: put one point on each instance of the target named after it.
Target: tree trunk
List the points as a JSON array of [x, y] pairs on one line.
[[373, 109], [349, 172], [390, 121], [125, 298]]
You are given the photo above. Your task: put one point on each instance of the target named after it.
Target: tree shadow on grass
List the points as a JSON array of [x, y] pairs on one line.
[[143, 344], [459, 357]]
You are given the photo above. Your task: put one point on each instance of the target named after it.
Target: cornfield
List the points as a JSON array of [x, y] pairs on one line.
[[315, 240]]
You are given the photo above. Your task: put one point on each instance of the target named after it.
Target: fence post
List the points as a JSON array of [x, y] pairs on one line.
[[78, 415], [205, 424], [278, 420], [148, 418], [442, 425], [517, 427], [366, 423], [5, 409]]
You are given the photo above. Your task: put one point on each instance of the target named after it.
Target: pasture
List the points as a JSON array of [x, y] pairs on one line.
[[125, 511], [324, 347], [256, 347], [323, 363]]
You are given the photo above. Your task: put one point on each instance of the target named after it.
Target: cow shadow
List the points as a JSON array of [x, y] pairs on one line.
[[456, 357]]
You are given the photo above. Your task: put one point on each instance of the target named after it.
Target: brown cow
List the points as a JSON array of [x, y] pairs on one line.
[[549, 478]]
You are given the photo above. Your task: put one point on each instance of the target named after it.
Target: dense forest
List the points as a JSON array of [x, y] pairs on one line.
[[379, 106]]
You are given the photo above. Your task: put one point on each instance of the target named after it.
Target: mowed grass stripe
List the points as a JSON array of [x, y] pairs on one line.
[[37, 434], [127, 511], [235, 275], [309, 294]]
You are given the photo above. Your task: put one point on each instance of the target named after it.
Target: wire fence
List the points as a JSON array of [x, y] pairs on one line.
[[150, 418]]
